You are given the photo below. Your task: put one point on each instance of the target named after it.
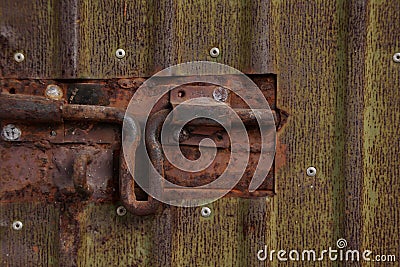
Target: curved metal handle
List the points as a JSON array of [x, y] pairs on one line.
[[79, 175], [127, 181]]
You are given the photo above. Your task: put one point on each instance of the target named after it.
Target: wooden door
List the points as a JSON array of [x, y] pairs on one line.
[[337, 78]]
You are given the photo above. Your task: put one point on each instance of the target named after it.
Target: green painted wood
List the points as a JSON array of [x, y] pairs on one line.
[[336, 79], [308, 211], [381, 142], [106, 239], [79, 38]]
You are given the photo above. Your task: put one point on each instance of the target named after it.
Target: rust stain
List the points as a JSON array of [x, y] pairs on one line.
[[57, 132], [35, 249]]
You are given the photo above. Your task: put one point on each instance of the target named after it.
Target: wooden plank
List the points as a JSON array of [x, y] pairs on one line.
[[381, 142], [308, 211], [32, 28], [107, 239], [354, 105], [226, 238], [336, 78], [37, 243], [79, 38], [157, 34]]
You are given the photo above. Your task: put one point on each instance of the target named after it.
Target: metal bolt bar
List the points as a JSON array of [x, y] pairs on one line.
[[29, 108]]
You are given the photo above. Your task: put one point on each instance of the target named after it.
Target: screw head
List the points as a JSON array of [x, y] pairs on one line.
[[183, 135], [11, 133], [121, 211], [19, 57], [205, 212], [220, 94], [396, 57], [54, 92], [120, 53], [214, 52], [17, 225], [311, 171]]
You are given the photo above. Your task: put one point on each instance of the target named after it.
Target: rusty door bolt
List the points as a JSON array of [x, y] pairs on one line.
[[396, 57], [17, 225], [54, 92], [214, 52], [120, 53], [121, 211], [11, 132], [205, 211], [220, 94], [19, 57], [311, 171]]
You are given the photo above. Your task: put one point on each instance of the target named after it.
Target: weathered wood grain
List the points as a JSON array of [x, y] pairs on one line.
[[336, 79], [79, 38], [381, 141], [37, 243], [308, 211], [107, 239], [32, 28]]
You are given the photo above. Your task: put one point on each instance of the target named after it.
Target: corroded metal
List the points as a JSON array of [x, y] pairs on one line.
[[71, 145], [29, 108]]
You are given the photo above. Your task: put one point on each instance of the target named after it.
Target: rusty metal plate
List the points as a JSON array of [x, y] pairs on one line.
[[69, 147]]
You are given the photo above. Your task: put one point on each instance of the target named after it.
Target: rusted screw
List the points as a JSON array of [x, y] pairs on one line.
[[396, 57], [181, 93], [54, 92], [205, 211], [11, 132], [220, 94], [120, 53], [183, 135], [214, 52], [311, 171], [19, 57], [121, 211], [17, 225]]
